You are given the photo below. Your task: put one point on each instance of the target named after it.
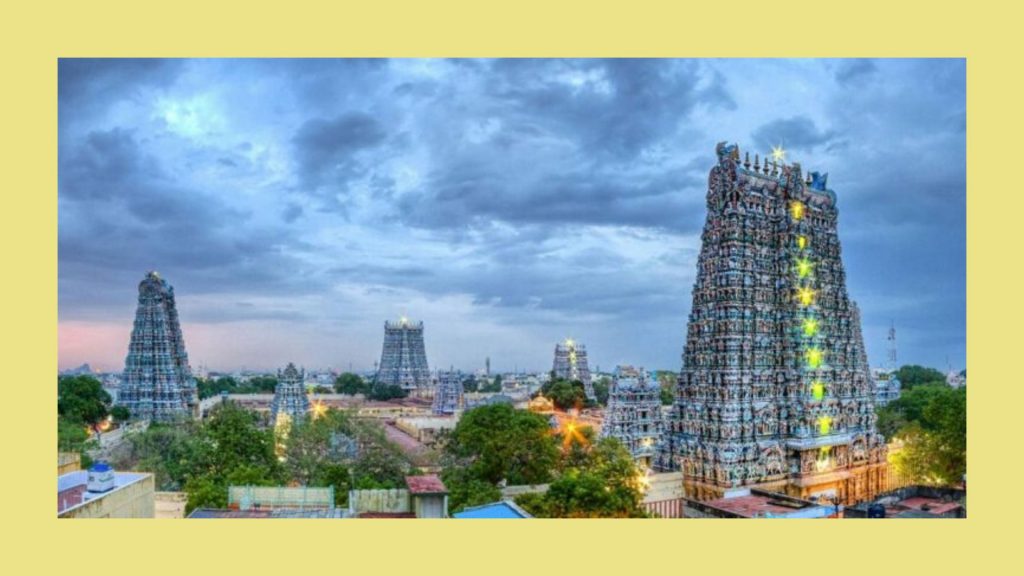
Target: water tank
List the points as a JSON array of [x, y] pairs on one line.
[[101, 478]]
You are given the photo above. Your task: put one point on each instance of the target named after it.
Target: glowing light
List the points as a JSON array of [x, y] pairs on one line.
[[571, 433], [817, 390], [778, 153], [318, 408], [797, 210], [801, 242], [810, 327], [643, 480], [824, 424], [814, 357], [803, 267], [823, 461], [570, 343], [806, 296]]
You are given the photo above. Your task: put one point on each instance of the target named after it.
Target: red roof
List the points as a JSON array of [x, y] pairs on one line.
[[387, 515], [427, 484]]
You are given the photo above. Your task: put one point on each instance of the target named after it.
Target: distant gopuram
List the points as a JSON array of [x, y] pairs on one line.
[[775, 389], [633, 414], [290, 402], [448, 396], [403, 361], [157, 384], [571, 364]]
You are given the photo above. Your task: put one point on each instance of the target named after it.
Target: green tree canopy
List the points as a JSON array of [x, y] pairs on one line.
[[930, 420], [565, 394], [911, 376], [82, 399], [601, 387], [351, 384]]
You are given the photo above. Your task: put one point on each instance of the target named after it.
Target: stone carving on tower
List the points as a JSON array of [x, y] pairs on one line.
[[633, 414], [571, 364], [403, 362], [157, 383], [775, 389], [290, 402]]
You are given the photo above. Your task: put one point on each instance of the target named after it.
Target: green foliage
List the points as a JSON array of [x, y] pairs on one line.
[[667, 395], [120, 413], [351, 384], [72, 437], [465, 490], [205, 492], [601, 386], [82, 399], [913, 375], [564, 394], [667, 381], [492, 386], [256, 385], [931, 422], [470, 384], [381, 391]]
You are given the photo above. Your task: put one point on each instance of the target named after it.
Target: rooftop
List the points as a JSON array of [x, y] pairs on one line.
[[266, 513], [427, 484], [502, 509], [72, 488], [755, 503]]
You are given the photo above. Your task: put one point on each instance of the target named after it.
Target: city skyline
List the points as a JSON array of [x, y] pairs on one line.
[[507, 204]]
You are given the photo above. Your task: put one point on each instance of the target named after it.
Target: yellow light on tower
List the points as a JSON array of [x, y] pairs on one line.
[[814, 357], [810, 327], [803, 267], [801, 242], [806, 296], [778, 153], [824, 424], [817, 390], [797, 210]]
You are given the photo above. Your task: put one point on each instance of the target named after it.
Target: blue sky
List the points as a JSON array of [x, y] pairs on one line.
[[295, 205]]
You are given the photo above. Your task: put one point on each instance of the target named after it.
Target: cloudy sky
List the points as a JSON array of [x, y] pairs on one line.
[[297, 205]]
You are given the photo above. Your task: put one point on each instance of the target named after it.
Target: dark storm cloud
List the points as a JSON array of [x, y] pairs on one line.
[[795, 133], [565, 190]]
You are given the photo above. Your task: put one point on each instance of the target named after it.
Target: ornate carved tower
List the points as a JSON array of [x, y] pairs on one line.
[[290, 402], [571, 364], [775, 390]]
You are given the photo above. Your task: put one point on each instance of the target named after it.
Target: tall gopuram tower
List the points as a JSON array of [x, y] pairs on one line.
[[157, 384], [633, 414], [571, 364], [449, 393], [404, 359], [775, 390], [290, 402]]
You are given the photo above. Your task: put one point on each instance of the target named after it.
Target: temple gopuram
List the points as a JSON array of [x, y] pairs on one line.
[[448, 396], [290, 402], [571, 364], [157, 384], [775, 390], [633, 414], [403, 362]]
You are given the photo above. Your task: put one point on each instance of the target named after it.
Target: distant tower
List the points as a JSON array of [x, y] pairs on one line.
[[571, 364], [448, 396], [892, 347], [633, 414], [488, 365], [290, 403], [158, 383], [403, 361]]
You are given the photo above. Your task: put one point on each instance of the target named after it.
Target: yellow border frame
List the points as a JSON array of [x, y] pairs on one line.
[[35, 36]]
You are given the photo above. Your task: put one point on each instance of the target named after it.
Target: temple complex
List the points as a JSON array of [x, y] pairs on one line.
[[448, 396], [775, 390], [157, 383], [290, 402], [633, 414], [403, 361], [571, 364]]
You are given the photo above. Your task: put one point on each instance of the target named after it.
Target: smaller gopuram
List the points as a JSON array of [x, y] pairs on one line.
[[571, 364], [633, 414], [403, 361], [448, 396], [290, 403]]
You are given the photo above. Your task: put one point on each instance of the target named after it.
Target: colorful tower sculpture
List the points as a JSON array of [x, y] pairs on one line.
[[633, 414], [157, 384], [775, 390], [448, 396], [403, 361], [290, 402], [571, 364]]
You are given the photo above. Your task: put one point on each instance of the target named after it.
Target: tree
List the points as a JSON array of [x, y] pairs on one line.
[[82, 399], [351, 384], [564, 394], [470, 384], [601, 387], [120, 413], [261, 384], [496, 443], [381, 391], [913, 375], [492, 385], [930, 423]]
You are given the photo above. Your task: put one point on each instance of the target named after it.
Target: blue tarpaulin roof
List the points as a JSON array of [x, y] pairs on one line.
[[503, 509]]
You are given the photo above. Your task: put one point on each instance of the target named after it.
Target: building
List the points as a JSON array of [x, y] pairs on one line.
[[754, 503], [913, 502], [403, 362], [887, 387], [290, 402], [101, 492], [424, 497], [774, 391], [571, 364], [448, 396], [633, 414], [276, 502], [157, 383], [504, 509]]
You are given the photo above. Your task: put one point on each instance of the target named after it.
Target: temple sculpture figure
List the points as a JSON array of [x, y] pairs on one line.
[[633, 414], [775, 389], [571, 364], [157, 383], [290, 403], [403, 362]]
